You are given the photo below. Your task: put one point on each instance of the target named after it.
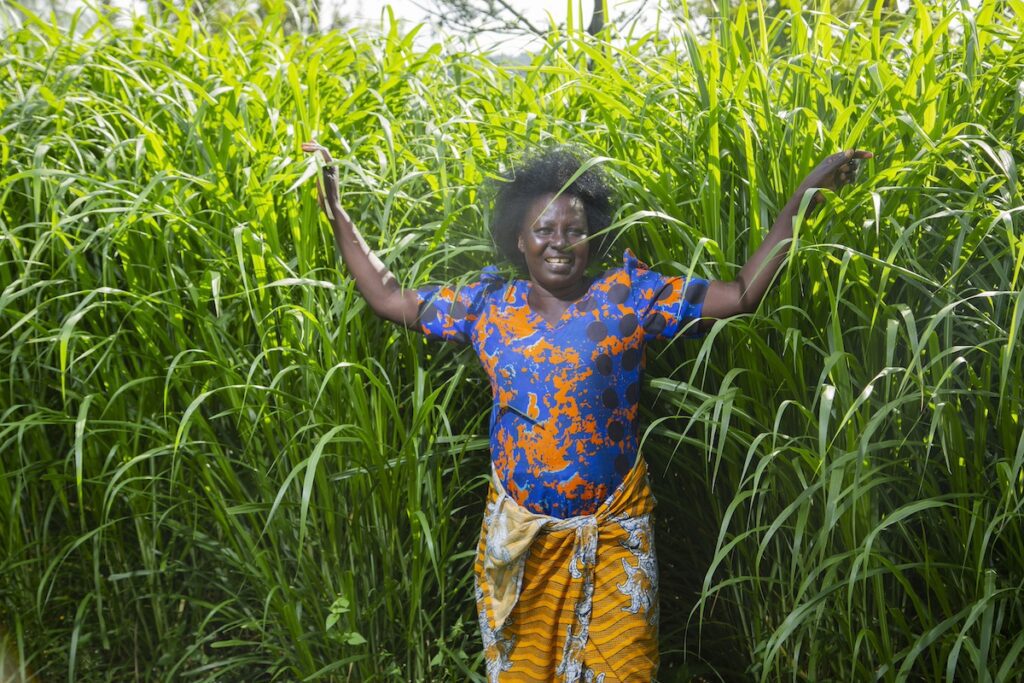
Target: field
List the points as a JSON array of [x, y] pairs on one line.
[[216, 464]]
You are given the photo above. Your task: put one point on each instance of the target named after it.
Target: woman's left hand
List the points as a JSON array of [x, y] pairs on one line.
[[328, 194], [833, 172]]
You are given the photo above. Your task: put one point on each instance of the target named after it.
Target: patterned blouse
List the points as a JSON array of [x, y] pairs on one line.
[[563, 428]]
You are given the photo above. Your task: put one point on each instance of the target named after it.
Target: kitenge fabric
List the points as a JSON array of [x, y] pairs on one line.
[[570, 599], [563, 427]]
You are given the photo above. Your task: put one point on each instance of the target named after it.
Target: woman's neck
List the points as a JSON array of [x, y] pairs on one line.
[[552, 304]]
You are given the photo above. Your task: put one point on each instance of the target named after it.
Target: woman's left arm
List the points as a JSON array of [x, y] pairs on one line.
[[742, 295]]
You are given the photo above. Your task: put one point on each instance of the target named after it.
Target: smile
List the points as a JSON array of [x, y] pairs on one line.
[[558, 260]]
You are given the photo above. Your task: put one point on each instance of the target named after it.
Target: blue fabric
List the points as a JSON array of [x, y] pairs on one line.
[[566, 395]]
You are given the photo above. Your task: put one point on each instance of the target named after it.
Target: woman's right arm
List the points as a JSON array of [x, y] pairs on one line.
[[379, 287]]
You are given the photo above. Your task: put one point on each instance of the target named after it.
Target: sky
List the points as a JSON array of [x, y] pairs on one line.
[[533, 9], [369, 13], [540, 12]]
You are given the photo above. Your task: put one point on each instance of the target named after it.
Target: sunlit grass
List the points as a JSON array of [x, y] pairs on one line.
[[216, 463]]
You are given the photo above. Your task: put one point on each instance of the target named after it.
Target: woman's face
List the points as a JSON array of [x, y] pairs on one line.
[[553, 240]]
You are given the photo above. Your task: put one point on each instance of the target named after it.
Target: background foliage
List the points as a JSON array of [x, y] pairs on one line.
[[216, 464]]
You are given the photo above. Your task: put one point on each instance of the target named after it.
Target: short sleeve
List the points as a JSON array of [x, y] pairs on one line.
[[448, 312], [665, 306]]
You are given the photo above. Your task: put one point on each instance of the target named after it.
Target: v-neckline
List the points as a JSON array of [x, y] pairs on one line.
[[551, 325]]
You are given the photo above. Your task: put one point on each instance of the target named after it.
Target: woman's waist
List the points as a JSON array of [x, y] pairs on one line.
[[563, 484]]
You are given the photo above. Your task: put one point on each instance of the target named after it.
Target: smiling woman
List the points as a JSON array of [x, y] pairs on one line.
[[555, 250], [564, 353], [550, 219]]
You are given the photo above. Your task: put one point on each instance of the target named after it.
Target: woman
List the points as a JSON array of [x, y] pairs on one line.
[[566, 577]]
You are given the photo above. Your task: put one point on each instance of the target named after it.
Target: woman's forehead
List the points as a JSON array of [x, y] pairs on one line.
[[553, 207]]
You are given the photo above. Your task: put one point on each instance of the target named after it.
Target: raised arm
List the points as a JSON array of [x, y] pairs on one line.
[[374, 281], [742, 295]]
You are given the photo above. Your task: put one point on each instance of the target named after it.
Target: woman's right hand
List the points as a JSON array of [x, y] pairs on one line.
[[327, 189], [381, 289], [833, 172]]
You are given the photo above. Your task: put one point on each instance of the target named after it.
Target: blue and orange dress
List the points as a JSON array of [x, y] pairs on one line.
[[566, 575]]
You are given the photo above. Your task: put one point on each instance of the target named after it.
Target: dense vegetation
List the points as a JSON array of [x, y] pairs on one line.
[[216, 464]]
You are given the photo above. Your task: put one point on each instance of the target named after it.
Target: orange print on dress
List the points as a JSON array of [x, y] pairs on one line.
[[515, 324], [543, 351], [532, 410], [543, 449], [566, 396]]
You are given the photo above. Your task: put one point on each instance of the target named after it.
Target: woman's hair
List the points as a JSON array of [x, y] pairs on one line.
[[550, 171]]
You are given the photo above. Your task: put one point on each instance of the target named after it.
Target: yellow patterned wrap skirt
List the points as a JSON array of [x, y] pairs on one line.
[[570, 599]]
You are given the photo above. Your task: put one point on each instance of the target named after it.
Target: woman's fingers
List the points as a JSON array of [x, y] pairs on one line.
[[314, 146], [854, 154], [330, 171], [848, 165], [835, 171], [327, 186], [852, 157], [848, 172]]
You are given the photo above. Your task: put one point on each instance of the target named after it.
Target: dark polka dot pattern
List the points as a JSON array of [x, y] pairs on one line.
[[633, 393], [596, 331], [654, 323], [618, 293], [695, 293], [616, 430], [627, 325], [604, 364], [630, 359], [609, 398], [428, 313]]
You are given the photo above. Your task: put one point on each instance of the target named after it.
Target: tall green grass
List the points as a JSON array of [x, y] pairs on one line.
[[216, 464]]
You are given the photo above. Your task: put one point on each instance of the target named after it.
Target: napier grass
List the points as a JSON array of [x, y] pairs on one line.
[[216, 464]]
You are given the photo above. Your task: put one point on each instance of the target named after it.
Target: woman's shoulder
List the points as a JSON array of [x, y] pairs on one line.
[[490, 276], [632, 282], [630, 268], [471, 290], [492, 287]]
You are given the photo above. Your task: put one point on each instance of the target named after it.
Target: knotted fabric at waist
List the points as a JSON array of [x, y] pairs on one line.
[[509, 531]]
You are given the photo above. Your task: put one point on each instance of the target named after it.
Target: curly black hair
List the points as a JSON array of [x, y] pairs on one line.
[[550, 171]]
